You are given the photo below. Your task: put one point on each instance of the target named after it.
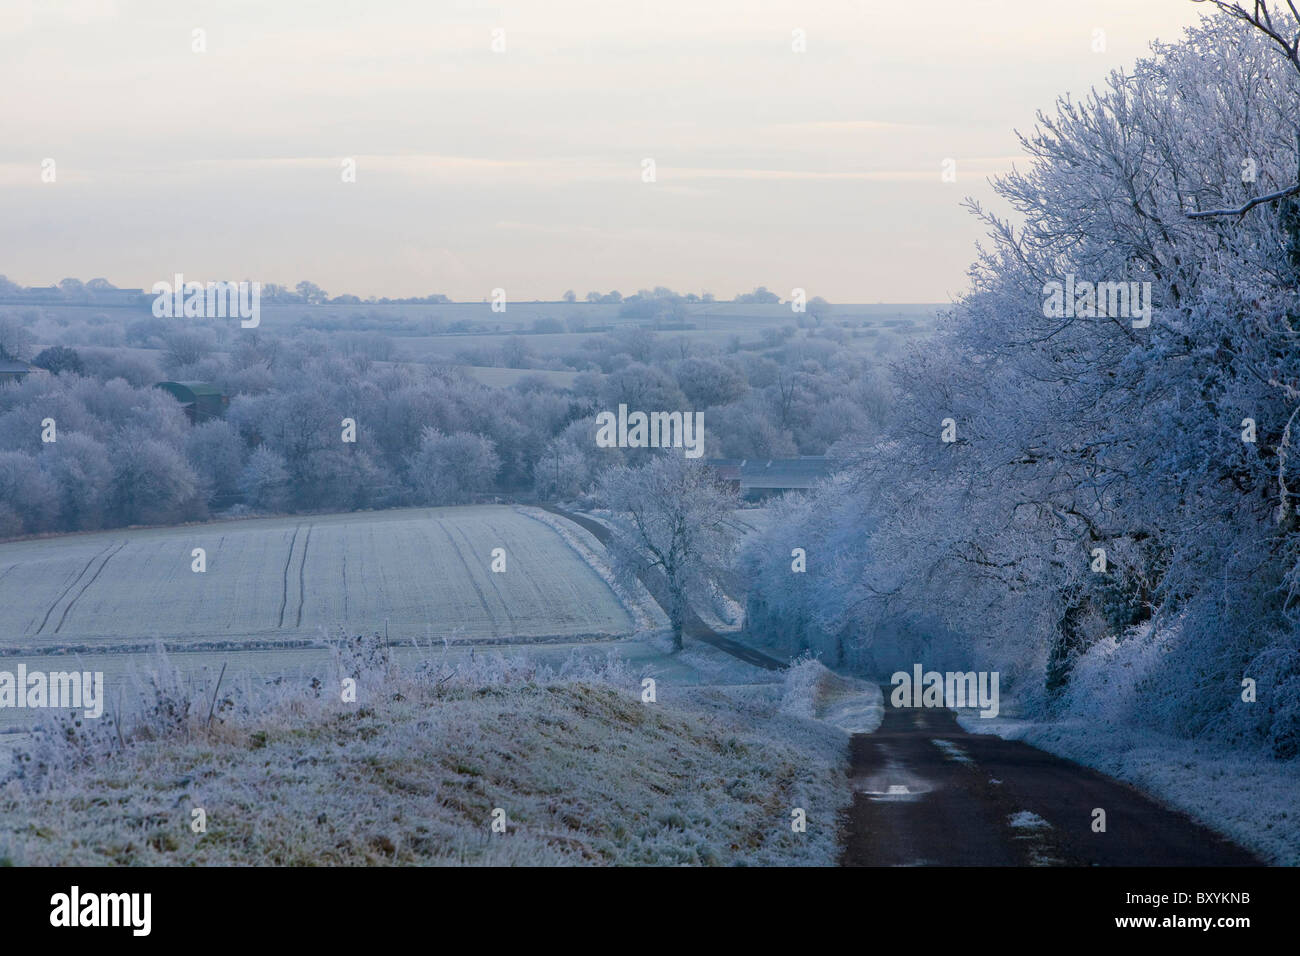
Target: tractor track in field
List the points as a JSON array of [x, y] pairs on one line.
[[85, 587], [302, 576], [288, 561], [487, 609], [64, 593], [505, 604]]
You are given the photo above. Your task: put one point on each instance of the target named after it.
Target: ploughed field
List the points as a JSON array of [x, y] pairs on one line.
[[281, 582]]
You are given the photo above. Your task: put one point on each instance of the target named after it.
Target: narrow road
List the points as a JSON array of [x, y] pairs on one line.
[[928, 793], [654, 581]]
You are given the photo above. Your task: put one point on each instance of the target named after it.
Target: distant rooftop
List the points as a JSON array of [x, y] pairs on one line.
[[776, 473]]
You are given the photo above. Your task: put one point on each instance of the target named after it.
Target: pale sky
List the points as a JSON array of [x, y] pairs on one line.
[[522, 169]]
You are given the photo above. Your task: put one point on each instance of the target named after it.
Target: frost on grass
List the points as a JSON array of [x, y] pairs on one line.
[[720, 611], [815, 693], [410, 774], [636, 599]]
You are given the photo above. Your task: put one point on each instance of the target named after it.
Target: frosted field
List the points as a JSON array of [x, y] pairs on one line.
[[278, 590], [505, 377], [279, 581]]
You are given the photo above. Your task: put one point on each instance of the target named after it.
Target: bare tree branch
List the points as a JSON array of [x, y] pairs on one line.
[[1261, 18], [1242, 210]]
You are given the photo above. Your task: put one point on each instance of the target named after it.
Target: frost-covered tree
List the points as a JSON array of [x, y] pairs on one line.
[[216, 453], [310, 292], [572, 462], [343, 479], [265, 480], [152, 483], [82, 469], [59, 358], [642, 388], [15, 340], [186, 347], [1034, 435], [671, 516], [450, 469], [709, 382], [31, 495]]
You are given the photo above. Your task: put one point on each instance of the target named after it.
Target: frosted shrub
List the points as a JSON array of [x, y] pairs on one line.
[[478, 671], [610, 669], [1105, 679], [167, 703], [364, 659], [1276, 713], [481, 671], [803, 679], [59, 743], [162, 705]]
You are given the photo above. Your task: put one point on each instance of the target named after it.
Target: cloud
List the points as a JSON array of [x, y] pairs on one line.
[[845, 126], [981, 166], [80, 12], [488, 170], [29, 174], [17, 16]]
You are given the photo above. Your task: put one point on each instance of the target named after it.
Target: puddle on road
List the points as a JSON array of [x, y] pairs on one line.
[[893, 792], [1028, 820], [895, 783], [1029, 827], [952, 751]]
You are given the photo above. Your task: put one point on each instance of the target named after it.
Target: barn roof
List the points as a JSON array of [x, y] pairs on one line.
[[803, 472], [190, 391]]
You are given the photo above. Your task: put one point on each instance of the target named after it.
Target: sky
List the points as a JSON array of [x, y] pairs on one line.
[[524, 167]]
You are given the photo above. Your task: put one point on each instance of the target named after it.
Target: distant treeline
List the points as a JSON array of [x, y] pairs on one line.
[[125, 452]]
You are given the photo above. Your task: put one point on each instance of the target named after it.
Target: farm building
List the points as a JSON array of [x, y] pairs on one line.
[[120, 297], [200, 400], [756, 477], [14, 370], [42, 293]]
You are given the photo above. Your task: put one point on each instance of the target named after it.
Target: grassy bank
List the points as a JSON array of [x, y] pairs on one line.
[[585, 772]]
